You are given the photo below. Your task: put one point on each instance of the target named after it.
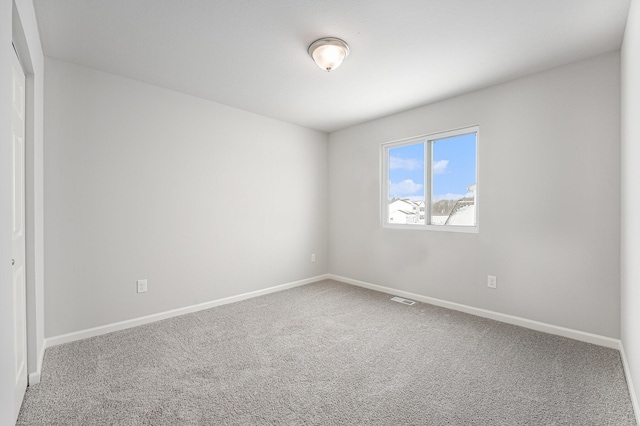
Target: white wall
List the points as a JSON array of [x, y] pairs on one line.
[[549, 157], [203, 200], [630, 245]]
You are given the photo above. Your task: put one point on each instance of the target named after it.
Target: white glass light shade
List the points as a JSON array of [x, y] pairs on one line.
[[329, 52]]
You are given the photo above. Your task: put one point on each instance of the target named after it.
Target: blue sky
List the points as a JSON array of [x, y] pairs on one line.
[[454, 168]]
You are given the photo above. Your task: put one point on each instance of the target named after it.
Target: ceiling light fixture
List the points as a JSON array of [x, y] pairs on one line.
[[328, 52]]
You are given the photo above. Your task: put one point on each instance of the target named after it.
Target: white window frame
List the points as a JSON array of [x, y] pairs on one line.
[[428, 142]]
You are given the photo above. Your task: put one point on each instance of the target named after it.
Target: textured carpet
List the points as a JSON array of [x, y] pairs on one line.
[[328, 354]]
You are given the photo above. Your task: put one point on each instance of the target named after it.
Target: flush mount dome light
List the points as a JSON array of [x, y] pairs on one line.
[[328, 52]]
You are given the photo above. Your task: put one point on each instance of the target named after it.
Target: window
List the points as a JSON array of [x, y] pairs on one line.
[[431, 182]]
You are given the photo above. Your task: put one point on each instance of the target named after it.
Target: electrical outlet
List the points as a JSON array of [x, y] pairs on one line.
[[491, 281], [313, 257], [142, 286]]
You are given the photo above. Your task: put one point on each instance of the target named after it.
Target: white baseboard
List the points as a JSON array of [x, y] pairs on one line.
[[34, 377], [509, 319], [109, 328], [632, 391]]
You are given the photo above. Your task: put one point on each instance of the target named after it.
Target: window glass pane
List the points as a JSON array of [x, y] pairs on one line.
[[453, 171], [406, 184]]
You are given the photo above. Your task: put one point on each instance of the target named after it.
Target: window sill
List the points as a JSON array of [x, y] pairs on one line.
[[437, 228]]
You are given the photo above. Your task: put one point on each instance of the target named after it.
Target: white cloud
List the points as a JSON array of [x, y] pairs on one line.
[[404, 163], [440, 167], [404, 189]]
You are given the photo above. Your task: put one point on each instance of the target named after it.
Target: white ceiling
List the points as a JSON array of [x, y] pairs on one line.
[[252, 54]]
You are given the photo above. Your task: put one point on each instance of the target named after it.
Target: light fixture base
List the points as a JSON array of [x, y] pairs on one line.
[[328, 52]]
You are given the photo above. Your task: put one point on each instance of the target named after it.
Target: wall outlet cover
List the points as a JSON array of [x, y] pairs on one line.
[[492, 281]]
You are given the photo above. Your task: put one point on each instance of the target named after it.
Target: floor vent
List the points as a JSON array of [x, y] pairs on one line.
[[403, 301]]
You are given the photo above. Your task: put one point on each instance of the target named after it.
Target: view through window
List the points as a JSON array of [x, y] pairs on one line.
[[432, 181]]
